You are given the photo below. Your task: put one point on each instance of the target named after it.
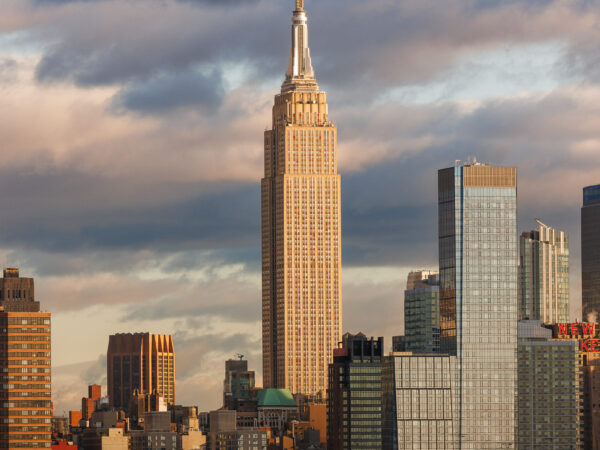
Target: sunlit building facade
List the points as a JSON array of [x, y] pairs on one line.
[[478, 254], [301, 230], [25, 366], [141, 362], [544, 275]]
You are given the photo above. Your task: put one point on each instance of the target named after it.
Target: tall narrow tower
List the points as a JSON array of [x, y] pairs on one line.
[[301, 230], [544, 275], [478, 299], [590, 253]]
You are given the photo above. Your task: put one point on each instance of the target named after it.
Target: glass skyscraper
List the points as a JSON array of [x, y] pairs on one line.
[[590, 252], [478, 299], [417, 402], [422, 312], [544, 275]]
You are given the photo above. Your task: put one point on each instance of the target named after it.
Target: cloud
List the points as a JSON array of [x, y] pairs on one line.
[[232, 294], [414, 40], [8, 68], [166, 35], [167, 92]]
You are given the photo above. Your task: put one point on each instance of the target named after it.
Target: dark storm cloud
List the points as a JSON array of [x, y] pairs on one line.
[[167, 92], [389, 210], [412, 42], [8, 67], [103, 48], [83, 212]]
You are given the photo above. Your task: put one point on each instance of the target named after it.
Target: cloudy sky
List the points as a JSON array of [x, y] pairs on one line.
[[131, 137]]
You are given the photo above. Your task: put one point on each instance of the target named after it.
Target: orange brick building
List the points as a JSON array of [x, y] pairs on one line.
[[74, 418], [87, 403], [25, 366]]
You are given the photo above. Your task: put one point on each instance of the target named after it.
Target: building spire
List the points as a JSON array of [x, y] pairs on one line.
[[300, 74]]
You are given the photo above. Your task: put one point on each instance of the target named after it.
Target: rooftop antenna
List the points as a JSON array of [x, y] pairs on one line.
[[240, 356]]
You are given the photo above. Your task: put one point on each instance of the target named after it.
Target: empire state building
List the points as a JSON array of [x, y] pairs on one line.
[[301, 230]]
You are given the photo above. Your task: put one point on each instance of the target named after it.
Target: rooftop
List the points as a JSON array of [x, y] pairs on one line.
[[591, 195], [276, 397]]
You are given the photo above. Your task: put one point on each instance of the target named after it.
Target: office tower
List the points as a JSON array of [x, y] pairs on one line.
[[301, 233], [25, 390], [549, 389], [142, 361], [238, 384], [354, 395], [88, 403], [590, 252], [417, 401], [544, 275], [399, 343], [478, 298], [422, 312]]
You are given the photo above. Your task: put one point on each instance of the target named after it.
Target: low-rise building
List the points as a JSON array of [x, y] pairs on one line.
[[191, 440], [276, 408], [224, 433], [104, 439], [549, 390], [146, 440]]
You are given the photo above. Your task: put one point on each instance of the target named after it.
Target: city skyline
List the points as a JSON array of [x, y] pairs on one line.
[[117, 195]]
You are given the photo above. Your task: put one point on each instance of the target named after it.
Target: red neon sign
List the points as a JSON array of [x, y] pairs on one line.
[[583, 332], [576, 329]]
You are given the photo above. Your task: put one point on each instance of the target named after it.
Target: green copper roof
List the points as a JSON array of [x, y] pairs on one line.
[[276, 397]]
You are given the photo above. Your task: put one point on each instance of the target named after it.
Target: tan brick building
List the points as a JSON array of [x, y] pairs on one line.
[[301, 230]]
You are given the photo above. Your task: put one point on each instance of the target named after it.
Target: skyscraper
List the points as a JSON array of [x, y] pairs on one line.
[[478, 298], [590, 252], [142, 361], [239, 382], [544, 275], [422, 312], [354, 394], [25, 366], [301, 230]]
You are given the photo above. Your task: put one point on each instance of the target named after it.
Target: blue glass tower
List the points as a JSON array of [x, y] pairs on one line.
[[590, 252]]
